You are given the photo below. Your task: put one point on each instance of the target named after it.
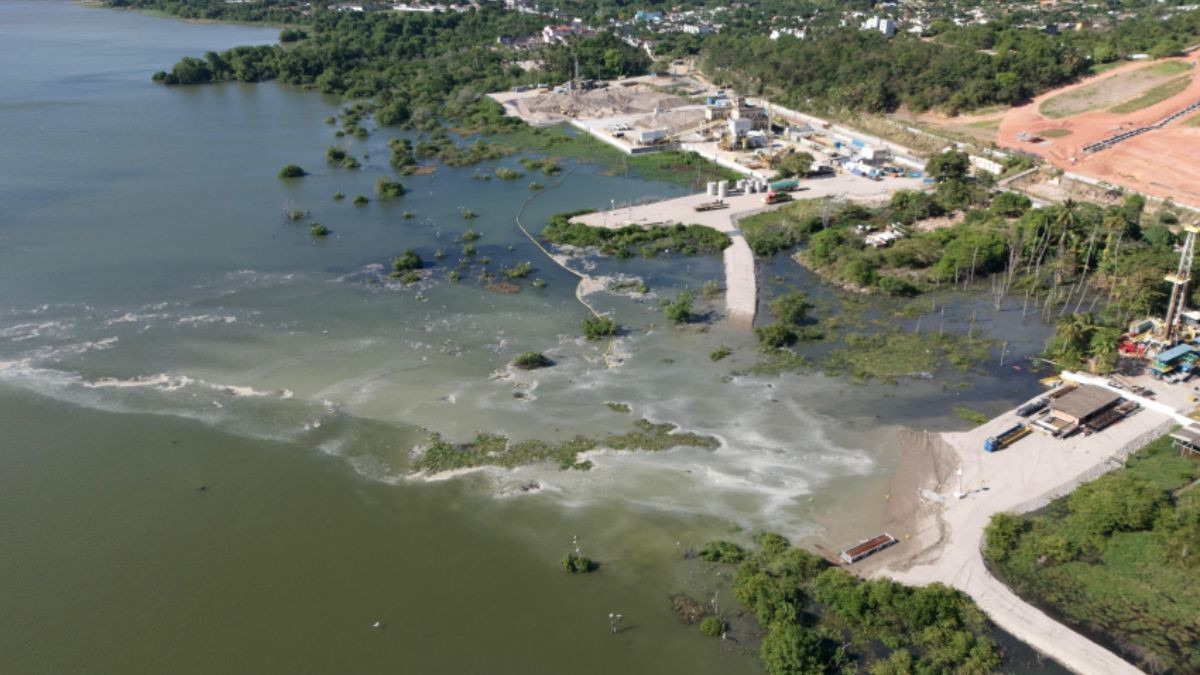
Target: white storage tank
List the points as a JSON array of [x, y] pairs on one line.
[[712, 188], [648, 136], [722, 188]]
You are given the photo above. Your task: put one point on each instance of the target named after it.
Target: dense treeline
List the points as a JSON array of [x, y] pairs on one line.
[[418, 68], [261, 10], [1117, 558], [419, 64], [821, 619], [961, 69]]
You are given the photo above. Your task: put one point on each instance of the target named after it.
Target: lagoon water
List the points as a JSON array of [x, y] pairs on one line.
[[208, 418]]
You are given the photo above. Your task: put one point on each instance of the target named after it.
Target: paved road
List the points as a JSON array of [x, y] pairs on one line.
[[1021, 478]]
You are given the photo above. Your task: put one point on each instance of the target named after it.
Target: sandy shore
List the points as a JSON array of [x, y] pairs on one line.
[[941, 535]]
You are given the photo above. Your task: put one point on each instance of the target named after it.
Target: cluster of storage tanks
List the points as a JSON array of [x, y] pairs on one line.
[[720, 188]]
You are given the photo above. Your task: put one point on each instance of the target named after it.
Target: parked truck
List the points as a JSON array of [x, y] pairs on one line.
[[787, 185], [1003, 440]]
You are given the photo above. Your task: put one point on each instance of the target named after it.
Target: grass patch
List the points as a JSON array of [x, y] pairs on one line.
[[1055, 133], [1193, 121], [1166, 68], [1104, 67], [985, 124], [617, 407], [893, 355], [784, 228], [648, 242], [1155, 95], [970, 415], [562, 141], [1113, 93]]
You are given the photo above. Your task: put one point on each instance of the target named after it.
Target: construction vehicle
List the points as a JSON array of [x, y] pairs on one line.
[[1010, 436], [788, 185], [776, 197]]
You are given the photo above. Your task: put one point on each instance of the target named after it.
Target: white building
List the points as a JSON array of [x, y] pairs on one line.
[[797, 33], [882, 24]]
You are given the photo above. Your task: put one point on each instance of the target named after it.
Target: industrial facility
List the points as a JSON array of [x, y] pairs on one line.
[[748, 135]]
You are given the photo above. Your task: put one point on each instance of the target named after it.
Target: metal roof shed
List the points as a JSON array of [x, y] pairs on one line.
[[1083, 403], [1173, 354]]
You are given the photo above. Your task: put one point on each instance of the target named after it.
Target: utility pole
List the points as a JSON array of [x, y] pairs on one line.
[[613, 620]]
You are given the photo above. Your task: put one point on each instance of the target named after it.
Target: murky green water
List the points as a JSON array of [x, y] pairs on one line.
[[163, 328]]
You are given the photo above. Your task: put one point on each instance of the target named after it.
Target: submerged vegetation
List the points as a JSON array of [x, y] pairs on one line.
[[1117, 558], [493, 450]]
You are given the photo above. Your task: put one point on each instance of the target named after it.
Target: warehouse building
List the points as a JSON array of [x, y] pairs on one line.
[[1082, 404]]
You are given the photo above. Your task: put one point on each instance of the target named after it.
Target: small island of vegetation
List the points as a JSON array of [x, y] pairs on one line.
[[532, 361], [439, 455], [292, 171]]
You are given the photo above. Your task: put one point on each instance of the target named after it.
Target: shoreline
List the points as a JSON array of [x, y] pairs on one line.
[[947, 532]]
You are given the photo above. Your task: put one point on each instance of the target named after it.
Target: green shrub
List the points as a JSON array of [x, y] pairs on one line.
[[532, 361], [505, 173], [719, 353], [791, 308], [350, 163], [409, 260], [292, 171], [360, 200], [896, 286], [679, 311], [599, 327], [519, 271], [775, 336], [319, 230], [723, 552], [1003, 534], [388, 189], [712, 626], [337, 196], [577, 564], [334, 155]]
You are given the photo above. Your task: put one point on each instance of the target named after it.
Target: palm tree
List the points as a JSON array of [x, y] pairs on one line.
[[1104, 346]]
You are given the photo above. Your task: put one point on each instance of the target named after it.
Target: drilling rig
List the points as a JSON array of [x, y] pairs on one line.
[[1179, 282]]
